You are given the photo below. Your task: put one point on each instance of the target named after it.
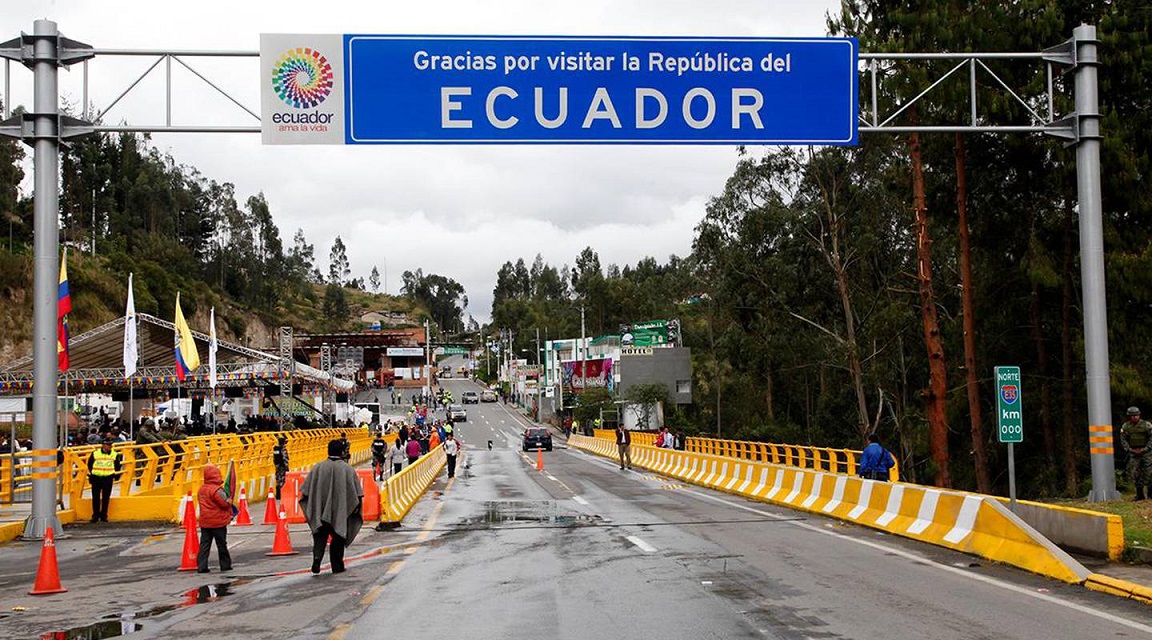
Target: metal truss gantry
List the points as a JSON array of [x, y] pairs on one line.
[[45, 129]]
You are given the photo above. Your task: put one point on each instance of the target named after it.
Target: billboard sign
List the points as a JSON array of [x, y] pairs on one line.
[[578, 375], [390, 89], [651, 333]]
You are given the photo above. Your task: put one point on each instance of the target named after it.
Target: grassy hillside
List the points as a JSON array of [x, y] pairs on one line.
[[99, 287]]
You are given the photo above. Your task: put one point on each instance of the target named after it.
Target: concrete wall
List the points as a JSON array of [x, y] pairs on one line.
[[1089, 532], [663, 366]]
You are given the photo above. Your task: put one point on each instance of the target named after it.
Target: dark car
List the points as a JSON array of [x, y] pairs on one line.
[[537, 438], [470, 397]]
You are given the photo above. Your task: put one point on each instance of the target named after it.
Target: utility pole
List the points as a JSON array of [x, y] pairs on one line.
[[539, 369], [427, 360], [583, 352]]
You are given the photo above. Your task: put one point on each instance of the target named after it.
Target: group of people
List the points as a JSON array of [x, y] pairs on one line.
[[411, 443]]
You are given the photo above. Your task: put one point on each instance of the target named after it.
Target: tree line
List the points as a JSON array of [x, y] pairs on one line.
[[140, 210], [832, 293]]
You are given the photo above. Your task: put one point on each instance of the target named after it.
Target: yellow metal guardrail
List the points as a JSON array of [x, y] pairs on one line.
[[16, 477], [403, 490], [155, 476], [845, 461]]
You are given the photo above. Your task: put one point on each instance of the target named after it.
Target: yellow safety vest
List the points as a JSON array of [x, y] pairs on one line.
[[103, 464]]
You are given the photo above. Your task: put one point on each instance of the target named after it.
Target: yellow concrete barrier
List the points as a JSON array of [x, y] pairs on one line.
[[403, 490], [155, 477], [971, 523], [844, 461]]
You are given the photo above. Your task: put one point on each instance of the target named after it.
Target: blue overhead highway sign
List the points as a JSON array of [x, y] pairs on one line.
[[568, 90]]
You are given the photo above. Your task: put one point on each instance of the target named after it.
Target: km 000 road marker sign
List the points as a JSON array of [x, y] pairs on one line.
[[1009, 416], [375, 89]]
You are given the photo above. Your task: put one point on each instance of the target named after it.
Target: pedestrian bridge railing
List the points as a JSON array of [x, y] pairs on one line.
[[155, 476], [846, 461]]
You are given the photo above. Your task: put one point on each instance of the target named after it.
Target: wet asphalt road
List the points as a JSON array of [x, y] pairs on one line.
[[580, 550]]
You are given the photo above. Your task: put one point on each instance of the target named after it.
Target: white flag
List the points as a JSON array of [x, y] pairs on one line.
[[212, 349], [131, 351]]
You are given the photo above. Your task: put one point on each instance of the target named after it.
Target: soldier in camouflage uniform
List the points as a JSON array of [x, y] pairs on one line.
[[1135, 436], [280, 460]]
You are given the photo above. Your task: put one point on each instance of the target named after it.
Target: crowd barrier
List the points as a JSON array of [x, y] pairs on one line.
[[403, 490], [15, 477], [826, 459], [155, 477], [971, 523]]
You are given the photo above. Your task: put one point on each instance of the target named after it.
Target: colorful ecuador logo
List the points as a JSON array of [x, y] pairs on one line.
[[302, 78], [1010, 393]]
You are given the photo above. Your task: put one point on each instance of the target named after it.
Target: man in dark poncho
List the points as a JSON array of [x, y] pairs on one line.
[[330, 500]]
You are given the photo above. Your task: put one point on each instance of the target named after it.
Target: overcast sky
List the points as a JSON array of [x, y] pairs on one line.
[[460, 211]]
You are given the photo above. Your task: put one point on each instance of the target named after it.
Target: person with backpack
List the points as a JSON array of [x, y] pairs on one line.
[[875, 460]]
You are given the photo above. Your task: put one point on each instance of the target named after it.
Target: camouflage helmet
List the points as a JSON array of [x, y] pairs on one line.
[[1133, 411]]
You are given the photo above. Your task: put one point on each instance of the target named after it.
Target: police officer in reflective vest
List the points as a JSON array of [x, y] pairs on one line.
[[1135, 436], [280, 461], [103, 468]]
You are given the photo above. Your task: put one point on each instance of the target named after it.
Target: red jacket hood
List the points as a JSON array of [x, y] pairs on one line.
[[212, 475]]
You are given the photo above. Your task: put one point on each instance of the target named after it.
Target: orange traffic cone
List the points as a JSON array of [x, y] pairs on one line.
[[539, 459], [189, 516], [243, 519], [282, 543], [47, 574], [270, 509], [191, 549]]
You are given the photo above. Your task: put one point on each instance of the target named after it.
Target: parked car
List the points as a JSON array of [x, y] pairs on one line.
[[470, 397], [457, 413], [537, 438], [487, 395]]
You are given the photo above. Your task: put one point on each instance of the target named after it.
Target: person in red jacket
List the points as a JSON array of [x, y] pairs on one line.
[[215, 514]]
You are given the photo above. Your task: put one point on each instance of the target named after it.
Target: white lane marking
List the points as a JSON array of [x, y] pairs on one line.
[[925, 561], [644, 546], [551, 477], [580, 500]]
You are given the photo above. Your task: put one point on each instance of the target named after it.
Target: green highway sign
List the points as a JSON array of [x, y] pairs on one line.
[[1009, 416]]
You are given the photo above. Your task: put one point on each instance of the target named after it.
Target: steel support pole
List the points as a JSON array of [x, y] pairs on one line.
[[427, 359], [46, 276], [1092, 266]]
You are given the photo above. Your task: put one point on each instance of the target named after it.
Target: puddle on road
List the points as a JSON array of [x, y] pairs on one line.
[[529, 512], [210, 592], [115, 625]]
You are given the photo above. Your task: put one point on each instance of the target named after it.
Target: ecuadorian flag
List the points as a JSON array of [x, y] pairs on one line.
[[63, 308], [187, 358]]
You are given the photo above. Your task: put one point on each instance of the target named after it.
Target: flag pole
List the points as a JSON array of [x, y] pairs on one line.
[[131, 413]]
